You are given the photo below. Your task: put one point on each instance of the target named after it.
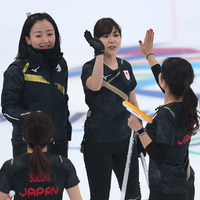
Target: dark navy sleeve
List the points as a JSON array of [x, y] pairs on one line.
[[4, 178], [158, 152], [87, 72], [13, 86], [165, 130], [156, 69], [71, 178]]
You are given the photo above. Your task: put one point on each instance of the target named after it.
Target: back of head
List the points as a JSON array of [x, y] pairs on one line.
[[28, 24], [105, 26], [178, 74], [37, 131]]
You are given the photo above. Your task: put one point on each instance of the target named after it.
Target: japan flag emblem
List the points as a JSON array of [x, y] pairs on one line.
[[127, 75]]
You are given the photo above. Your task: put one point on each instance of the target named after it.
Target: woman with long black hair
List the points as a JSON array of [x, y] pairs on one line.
[[167, 139], [37, 80]]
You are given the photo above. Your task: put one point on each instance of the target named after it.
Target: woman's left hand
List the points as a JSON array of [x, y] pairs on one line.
[[146, 47], [134, 123]]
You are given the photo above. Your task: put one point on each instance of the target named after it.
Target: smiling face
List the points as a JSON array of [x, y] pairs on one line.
[[112, 42], [42, 35]]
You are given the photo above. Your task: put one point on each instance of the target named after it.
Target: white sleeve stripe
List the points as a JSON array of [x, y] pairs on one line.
[[14, 118], [10, 116], [25, 113]]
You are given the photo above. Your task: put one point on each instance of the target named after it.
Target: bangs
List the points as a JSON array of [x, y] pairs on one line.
[[107, 29]]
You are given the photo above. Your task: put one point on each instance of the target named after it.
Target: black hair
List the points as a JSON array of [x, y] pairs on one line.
[[178, 74], [28, 24]]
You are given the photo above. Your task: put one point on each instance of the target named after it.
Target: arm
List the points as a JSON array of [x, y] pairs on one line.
[[135, 124], [11, 94], [4, 180], [74, 193], [68, 124], [132, 98], [94, 82], [146, 48], [3, 196], [158, 152]]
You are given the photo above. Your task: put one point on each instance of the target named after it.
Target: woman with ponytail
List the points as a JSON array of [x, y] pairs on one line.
[[38, 174], [167, 138]]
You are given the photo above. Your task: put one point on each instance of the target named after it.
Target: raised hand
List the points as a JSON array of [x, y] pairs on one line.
[[95, 43], [147, 46]]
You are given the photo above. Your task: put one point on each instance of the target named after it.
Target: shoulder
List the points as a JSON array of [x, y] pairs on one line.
[[171, 109], [124, 63], [21, 161], [165, 114], [13, 163], [165, 110], [7, 164], [59, 161], [87, 69], [125, 66], [63, 62], [168, 115], [89, 63], [17, 65]]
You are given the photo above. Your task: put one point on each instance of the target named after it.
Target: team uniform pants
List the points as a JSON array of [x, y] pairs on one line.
[[189, 195], [103, 158]]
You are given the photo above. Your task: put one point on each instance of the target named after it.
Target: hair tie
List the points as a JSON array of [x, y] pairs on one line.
[[28, 14], [32, 146]]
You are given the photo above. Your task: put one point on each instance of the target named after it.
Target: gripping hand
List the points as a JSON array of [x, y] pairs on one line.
[[95, 43]]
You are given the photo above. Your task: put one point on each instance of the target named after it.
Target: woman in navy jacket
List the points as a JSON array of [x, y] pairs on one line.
[[37, 80]]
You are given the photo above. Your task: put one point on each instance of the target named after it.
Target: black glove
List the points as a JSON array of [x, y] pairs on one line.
[[95, 43]]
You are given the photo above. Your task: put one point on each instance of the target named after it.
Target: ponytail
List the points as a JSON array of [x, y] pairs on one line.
[[188, 113], [39, 163], [179, 75]]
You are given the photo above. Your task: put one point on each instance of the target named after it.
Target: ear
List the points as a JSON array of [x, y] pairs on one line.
[[28, 41], [23, 139], [163, 84]]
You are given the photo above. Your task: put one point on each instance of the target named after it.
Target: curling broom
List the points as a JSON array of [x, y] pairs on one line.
[[141, 115]]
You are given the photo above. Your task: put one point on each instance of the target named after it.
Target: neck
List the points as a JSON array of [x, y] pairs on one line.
[[111, 62], [30, 150], [169, 98]]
